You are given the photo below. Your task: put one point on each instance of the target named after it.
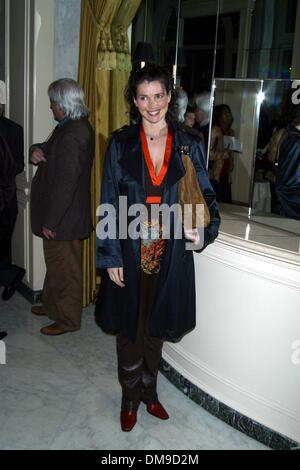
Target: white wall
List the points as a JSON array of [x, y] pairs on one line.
[[2, 39], [43, 45], [66, 39], [30, 49]]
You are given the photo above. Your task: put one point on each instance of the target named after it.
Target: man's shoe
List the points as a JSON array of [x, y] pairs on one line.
[[53, 330], [39, 310], [3, 334], [157, 410], [128, 420], [10, 290]]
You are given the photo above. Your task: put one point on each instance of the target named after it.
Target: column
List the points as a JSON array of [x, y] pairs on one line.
[[30, 49]]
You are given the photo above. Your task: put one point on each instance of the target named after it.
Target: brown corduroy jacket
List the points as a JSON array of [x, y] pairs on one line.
[[60, 191]]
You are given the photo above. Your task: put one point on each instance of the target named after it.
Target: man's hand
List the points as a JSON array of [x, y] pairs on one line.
[[117, 276], [48, 233], [37, 156]]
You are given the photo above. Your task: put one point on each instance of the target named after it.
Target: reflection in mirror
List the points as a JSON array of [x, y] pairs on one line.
[[2, 39], [199, 45], [276, 188], [197, 42], [273, 48], [258, 39], [233, 139]]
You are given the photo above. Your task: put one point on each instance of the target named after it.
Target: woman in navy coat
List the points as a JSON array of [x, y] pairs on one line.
[[147, 292]]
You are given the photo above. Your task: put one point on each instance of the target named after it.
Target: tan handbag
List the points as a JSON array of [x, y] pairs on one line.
[[190, 194]]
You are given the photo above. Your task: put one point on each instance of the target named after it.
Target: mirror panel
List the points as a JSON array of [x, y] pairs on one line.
[[233, 145], [273, 122]]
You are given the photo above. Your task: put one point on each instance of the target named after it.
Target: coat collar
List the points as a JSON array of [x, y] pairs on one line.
[[132, 156], [132, 160]]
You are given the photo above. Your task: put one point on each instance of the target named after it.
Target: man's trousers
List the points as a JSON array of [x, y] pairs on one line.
[[63, 285]]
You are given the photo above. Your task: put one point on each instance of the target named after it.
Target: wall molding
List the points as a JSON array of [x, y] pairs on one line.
[[225, 413], [175, 354], [34, 297], [259, 249], [258, 264]]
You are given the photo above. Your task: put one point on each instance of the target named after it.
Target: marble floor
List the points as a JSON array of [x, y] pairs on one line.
[[62, 393]]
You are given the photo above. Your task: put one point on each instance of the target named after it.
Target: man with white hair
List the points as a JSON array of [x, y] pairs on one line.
[[202, 113], [61, 205], [181, 102]]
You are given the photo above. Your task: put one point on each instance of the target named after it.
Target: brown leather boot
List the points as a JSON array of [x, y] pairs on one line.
[[39, 310], [53, 330]]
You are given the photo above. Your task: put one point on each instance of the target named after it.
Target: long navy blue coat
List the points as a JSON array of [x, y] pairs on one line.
[[117, 308]]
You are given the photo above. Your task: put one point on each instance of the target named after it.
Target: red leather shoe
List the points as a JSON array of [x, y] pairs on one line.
[[128, 420], [157, 410]]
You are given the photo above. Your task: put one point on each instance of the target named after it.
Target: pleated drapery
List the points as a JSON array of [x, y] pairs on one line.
[[104, 67]]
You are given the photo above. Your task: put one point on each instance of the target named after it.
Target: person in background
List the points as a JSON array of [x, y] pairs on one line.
[[202, 114], [11, 164], [287, 178], [189, 125], [185, 115], [181, 102], [190, 117], [147, 292], [220, 158], [61, 205]]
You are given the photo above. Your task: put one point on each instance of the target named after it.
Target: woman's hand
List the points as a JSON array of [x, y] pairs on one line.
[[117, 276], [192, 235]]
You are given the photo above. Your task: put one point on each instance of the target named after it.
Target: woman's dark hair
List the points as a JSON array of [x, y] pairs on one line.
[[149, 73], [189, 109], [217, 113]]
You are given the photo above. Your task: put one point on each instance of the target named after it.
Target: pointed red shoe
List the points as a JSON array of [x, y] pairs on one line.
[[128, 420], [157, 410]]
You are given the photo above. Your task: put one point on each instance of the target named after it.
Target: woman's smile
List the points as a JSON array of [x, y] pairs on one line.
[[152, 101]]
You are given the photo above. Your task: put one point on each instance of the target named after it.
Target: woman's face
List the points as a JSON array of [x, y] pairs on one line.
[[226, 117], [152, 101], [189, 119]]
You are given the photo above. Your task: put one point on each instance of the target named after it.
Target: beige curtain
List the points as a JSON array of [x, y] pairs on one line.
[[104, 51], [119, 77]]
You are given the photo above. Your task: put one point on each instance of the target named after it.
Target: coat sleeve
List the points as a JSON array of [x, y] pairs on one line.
[[19, 150], [68, 168], [211, 232], [108, 249]]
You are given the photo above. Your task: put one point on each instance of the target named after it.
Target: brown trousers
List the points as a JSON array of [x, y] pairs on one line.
[[63, 285], [138, 362]]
